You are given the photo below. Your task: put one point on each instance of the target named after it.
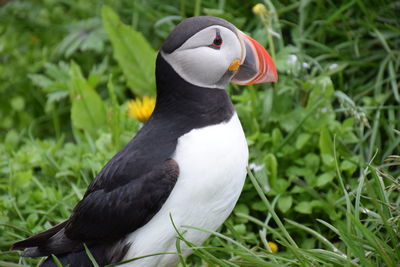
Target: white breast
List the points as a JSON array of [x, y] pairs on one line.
[[212, 169]]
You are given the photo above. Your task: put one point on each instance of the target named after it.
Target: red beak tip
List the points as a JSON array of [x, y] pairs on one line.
[[260, 61], [268, 71]]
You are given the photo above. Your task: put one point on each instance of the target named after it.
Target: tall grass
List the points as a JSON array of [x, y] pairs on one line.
[[323, 180]]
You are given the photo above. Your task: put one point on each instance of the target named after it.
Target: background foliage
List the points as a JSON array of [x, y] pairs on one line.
[[322, 185]]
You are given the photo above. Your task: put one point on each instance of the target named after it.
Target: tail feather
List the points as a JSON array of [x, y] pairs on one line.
[[38, 239], [71, 252], [57, 244], [53, 241]]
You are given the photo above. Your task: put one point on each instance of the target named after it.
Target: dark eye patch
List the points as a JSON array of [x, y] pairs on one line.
[[217, 43]]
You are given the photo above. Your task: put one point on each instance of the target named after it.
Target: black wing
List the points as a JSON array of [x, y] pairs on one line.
[[109, 214]]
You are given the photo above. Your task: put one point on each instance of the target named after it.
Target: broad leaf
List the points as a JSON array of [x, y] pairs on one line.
[[285, 203], [133, 53], [326, 147], [88, 111]]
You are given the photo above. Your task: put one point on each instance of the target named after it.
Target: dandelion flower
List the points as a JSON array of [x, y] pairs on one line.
[[259, 9], [273, 246], [141, 109]]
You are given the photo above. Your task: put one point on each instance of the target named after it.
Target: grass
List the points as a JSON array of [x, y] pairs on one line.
[[323, 180]]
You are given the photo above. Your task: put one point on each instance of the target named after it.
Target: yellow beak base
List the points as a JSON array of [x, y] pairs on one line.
[[234, 65]]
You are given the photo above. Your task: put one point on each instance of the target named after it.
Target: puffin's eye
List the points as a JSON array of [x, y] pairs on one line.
[[216, 44]]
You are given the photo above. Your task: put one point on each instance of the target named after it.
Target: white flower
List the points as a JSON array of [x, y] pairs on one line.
[[292, 59], [332, 66], [255, 167]]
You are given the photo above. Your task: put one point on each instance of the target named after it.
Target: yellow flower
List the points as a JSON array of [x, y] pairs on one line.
[[141, 109], [260, 9], [273, 246], [34, 39]]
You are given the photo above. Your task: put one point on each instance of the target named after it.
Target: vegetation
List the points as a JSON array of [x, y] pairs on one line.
[[323, 179]]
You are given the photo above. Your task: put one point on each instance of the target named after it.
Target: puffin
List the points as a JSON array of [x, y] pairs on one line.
[[186, 166]]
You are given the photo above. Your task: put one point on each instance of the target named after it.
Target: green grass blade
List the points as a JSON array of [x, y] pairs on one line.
[[91, 257]]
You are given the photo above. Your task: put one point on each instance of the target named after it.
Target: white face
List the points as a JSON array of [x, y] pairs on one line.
[[202, 61]]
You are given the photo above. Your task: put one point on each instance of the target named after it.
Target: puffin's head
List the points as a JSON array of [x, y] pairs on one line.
[[211, 52]]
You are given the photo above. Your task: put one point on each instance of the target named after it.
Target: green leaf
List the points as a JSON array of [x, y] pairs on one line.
[[134, 54], [281, 186], [321, 87], [18, 103], [259, 205], [32, 219], [326, 147], [347, 125], [11, 140], [240, 228], [304, 207], [241, 208], [302, 140], [285, 203], [347, 165], [295, 171], [271, 164], [88, 111], [325, 178], [312, 162], [21, 178], [115, 115], [40, 80], [276, 137]]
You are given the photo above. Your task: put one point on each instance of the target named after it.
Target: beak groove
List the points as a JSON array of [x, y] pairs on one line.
[[257, 65]]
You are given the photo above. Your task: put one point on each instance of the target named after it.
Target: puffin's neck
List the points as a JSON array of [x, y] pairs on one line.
[[179, 98]]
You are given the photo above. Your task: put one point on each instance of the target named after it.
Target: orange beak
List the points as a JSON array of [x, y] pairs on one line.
[[256, 66]]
